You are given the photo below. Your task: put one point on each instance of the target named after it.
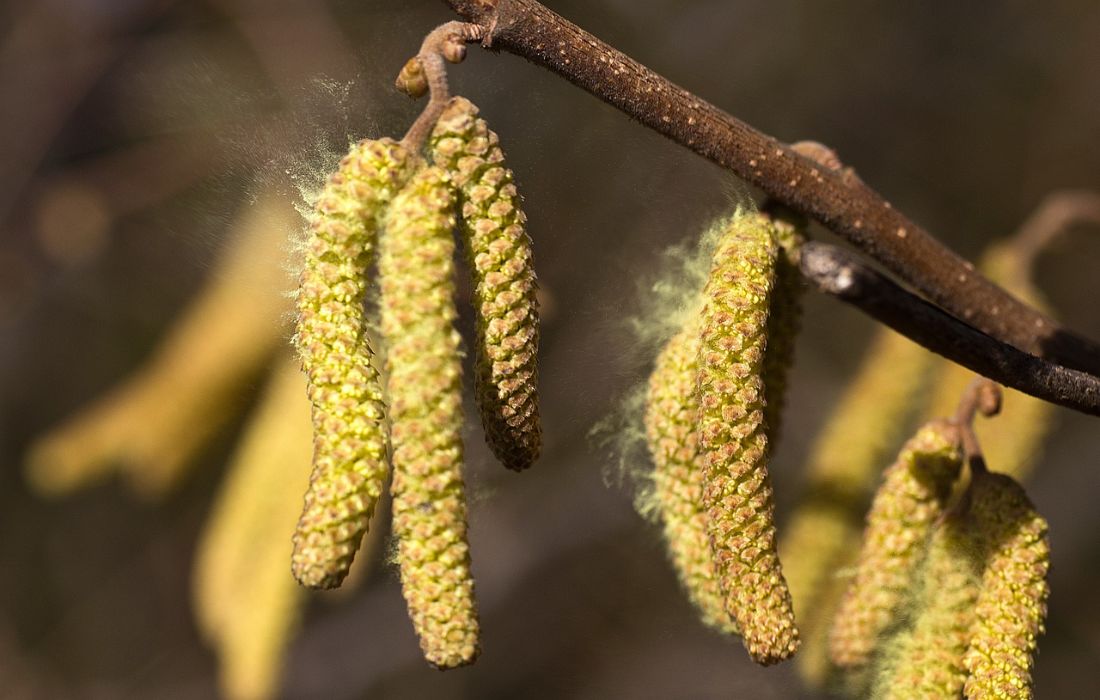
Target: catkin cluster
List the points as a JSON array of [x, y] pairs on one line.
[[385, 197], [706, 430]]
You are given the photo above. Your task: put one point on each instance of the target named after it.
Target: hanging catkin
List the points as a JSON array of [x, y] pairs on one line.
[[349, 457], [868, 424], [925, 661], [912, 496], [671, 423], [499, 252], [784, 322], [1011, 607], [424, 388], [737, 493]]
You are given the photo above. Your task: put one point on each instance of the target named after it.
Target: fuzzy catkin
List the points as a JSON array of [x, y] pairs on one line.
[[868, 424], [424, 388], [349, 458], [925, 661], [506, 307], [737, 493], [912, 496], [784, 322], [671, 421], [1011, 608]]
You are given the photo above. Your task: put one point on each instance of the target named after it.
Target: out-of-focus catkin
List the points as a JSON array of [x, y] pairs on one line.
[[246, 604], [868, 424], [1011, 607], [151, 427], [784, 322], [1014, 442], [737, 493], [499, 252], [912, 496], [349, 459], [424, 388], [925, 661], [671, 424]]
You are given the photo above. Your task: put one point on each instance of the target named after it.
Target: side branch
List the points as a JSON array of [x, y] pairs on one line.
[[841, 274], [834, 197]]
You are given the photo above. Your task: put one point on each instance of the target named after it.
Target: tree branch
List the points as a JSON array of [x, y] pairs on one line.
[[832, 196], [837, 272]]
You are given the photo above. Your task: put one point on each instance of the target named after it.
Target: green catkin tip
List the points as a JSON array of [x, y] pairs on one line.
[[1011, 607], [671, 416], [925, 661], [349, 456], [737, 493], [912, 496], [424, 388], [499, 252], [784, 322]]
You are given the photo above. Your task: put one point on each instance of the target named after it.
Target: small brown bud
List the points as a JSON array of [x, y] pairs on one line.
[[412, 80]]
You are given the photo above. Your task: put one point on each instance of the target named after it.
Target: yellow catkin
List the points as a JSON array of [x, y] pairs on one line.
[[246, 603], [912, 496], [506, 308], [784, 321], [1014, 442], [349, 458], [737, 492], [1012, 605], [424, 387], [925, 661], [671, 423], [153, 426], [866, 427]]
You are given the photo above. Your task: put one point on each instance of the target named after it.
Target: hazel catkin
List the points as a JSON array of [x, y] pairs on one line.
[[912, 496], [1011, 607], [925, 661], [506, 308], [424, 389], [784, 320], [671, 418], [737, 493], [349, 456]]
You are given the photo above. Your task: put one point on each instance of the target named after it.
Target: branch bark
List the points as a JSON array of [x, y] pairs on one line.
[[837, 272], [832, 196]]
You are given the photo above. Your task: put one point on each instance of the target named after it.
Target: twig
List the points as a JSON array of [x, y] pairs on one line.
[[835, 198], [841, 274], [428, 64]]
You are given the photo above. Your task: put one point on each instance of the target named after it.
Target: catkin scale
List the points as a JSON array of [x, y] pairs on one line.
[[671, 416], [1011, 607], [349, 458], [925, 661], [506, 308], [737, 493], [912, 496], [424, 388]]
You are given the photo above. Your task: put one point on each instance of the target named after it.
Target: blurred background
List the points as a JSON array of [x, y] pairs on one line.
[[137, 137]]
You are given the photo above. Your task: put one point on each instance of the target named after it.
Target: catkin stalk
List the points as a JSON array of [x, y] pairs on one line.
[[1011, 608], [912, 496], [506, 308], [737, 493], [671, 422], [424, 387], [349, 459]]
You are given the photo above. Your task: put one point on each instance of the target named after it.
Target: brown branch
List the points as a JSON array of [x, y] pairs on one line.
[[834, 197], [838, 272]]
